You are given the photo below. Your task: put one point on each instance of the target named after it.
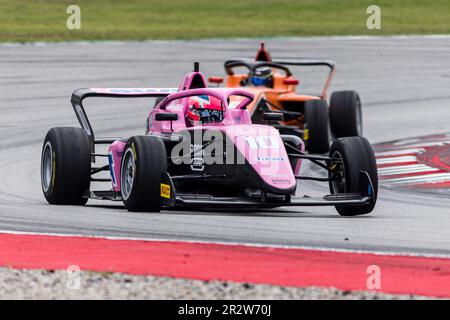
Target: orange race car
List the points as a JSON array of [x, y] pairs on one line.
[[304, 115]]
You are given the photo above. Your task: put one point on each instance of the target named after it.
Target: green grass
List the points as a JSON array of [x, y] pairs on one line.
[[45, 20]]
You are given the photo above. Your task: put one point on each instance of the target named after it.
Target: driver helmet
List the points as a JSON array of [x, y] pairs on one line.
[[204, 109], [262, 76]]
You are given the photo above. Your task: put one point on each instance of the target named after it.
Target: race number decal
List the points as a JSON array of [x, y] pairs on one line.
[[262, 142]]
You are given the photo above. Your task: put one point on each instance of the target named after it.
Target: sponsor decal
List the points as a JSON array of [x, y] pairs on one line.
[[165, 190], [133, 149], [281, 181], [111, 168], [306, 134], [197, 162], [262, 142], [270, 158], [141, 90], [53, 169]]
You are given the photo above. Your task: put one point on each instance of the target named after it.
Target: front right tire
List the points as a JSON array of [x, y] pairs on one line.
[[351, 156]]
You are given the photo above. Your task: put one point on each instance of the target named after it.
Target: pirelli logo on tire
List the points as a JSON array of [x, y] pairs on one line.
[[165, 190]]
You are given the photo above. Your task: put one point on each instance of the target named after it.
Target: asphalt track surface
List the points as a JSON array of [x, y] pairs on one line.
[[403, 83]]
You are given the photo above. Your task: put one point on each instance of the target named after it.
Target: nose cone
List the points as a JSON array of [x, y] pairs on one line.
[[264, 150]]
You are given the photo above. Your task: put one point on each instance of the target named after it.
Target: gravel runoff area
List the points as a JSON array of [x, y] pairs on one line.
[[44, 284]]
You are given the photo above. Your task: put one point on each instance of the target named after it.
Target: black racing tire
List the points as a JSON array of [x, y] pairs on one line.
[[357, 155], [66, 166], [144, 160], [345, 114], [316, 132]]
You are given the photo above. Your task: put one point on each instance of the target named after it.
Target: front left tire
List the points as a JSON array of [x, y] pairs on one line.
[[66, 166], [143, 162]]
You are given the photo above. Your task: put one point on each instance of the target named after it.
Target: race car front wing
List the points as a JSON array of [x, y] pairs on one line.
[[171, 199]]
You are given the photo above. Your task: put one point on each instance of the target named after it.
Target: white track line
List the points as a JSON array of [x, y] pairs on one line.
[[424, 144], [251, 245], [427, 178], [396, 160], [406, 169], [399, 152]]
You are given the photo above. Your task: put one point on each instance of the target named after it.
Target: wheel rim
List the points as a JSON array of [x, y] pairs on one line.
[[128, 173], [47, 167], [338, 185]]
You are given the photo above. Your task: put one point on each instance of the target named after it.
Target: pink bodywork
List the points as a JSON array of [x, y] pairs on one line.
[[261, 145], [115, 154]]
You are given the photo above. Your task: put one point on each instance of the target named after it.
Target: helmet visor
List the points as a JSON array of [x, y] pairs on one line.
[[257, 81], [205, 109], [208, 115]]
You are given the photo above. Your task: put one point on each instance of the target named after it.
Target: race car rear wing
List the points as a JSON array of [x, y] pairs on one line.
[[306, 62], [313, 62], [79, 95], [249, 63]]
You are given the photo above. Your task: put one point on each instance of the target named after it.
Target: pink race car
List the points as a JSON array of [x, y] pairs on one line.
[[200, 149]]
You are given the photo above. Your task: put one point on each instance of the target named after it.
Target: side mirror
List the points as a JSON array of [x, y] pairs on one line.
[[166, 117], [217, 80], [273, 116], [291, 81]]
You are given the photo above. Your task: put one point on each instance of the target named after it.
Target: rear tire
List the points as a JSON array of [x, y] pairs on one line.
[[345, 114], [144, 160], [316, 132], [66, 166], [356, 155]]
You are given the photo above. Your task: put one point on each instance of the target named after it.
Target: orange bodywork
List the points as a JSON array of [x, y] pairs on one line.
[[281, 95], [277, 97]]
